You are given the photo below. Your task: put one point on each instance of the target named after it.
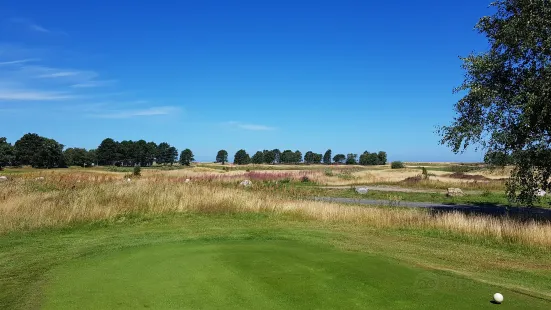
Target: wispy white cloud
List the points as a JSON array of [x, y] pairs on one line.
[[30, 25], [92, 84], [33, 95], [16, 62], [253, 127], [39, 28], [152, 111], [59, 74]]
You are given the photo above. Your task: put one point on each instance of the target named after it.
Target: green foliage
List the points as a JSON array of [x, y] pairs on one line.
[[241, 158], [222, 157], [498, 159], [186, 157], [77, 157], [382, 158], [290, 157], [309, 157], [351, 159], [7, 153], [166, 154], [131, 153], [339, 159], [298, 157], [397, 165], [327, 157], [328, 172], [305, 179], [137, 171], [371, 159], [268, 156], [277, 156], [39, 152], [507, 108], [258, 158], [425, 173]]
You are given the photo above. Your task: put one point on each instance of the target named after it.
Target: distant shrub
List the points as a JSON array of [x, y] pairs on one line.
[[305, 179], [397, 165], [285, 181], [425, 173], [328, 173], [137, 171]]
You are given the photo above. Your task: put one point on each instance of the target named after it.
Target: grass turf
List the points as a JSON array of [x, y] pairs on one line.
[[257, 274], [253, 261]]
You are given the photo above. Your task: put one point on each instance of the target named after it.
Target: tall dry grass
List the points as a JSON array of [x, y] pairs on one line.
[[26, 203]]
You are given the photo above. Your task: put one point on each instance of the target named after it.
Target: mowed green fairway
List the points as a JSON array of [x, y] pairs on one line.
[[260, 274]]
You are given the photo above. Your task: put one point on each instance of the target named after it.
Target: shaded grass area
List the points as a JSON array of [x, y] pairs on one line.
[[298, 190], [261, 261]]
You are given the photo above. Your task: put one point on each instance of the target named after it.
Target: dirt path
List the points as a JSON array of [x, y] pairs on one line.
[[385, 188]]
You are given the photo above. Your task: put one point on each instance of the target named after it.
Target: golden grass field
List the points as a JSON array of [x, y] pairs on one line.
[[72, 196]]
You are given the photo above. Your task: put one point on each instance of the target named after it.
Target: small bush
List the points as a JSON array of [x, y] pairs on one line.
[[425, 173], [328, 173], [397, 165], [305, 179], [137, 171]]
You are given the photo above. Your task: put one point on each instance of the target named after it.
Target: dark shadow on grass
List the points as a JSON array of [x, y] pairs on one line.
[[524, 214]]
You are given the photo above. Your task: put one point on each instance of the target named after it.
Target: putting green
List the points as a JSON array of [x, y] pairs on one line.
[[261, 274]]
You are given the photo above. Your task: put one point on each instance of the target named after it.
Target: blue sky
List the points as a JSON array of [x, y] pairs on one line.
[[308, 75]]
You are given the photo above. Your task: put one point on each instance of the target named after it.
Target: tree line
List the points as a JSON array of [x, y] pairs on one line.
[[275, 156], [42, 152]]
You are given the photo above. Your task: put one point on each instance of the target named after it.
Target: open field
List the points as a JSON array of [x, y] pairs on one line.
[[91, 239]]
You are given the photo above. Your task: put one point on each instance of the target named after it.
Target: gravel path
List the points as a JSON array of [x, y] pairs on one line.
[[385, 188], [487, 209]]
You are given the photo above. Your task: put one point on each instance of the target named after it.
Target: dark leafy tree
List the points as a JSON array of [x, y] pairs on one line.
[[507, 103], [309, 157], [298, 157], [222, 157], [27, 147], [151, 153], [186, 157], [382, 158], [163, 156], [327, 157], [93, 156], [50, 155], [258, 158], [287, 157], [77, 157], [173, 155], [108, 152], [370, 159], [317, 158], [277, 156], [7, 153], [498, 159], [339, 158], [39, 152], [269, 156], [241, 158], [351, 159], [126, 153]]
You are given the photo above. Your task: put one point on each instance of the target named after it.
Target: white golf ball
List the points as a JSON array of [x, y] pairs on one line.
[[498, 298]]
